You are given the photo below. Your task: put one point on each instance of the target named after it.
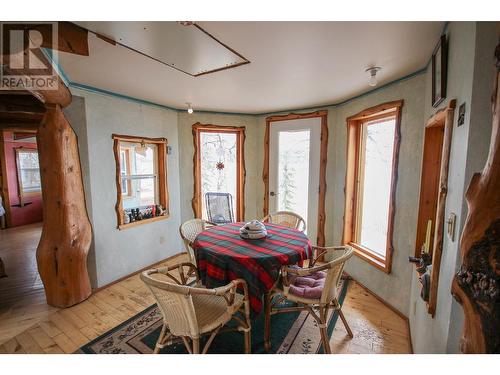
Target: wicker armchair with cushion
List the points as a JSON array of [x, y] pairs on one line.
[[189, 230], [314, 288], [192, 311], [287, 219]]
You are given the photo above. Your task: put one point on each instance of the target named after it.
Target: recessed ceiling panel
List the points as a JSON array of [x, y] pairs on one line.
[[184, 46]]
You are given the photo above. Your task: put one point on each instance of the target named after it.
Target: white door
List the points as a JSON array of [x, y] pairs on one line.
[[294, 160]]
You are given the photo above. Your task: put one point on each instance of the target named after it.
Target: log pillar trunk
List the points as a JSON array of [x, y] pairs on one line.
[[476, 286], [66, 234]]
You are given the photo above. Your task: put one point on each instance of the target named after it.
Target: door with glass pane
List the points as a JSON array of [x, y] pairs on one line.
[[219, 172], [294, 164]]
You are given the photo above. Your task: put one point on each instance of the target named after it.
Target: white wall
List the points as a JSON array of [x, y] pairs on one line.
[[117, 253], [470, 78]]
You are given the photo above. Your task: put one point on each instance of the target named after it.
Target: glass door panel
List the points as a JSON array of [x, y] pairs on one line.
[[293, 171], [219, 165]]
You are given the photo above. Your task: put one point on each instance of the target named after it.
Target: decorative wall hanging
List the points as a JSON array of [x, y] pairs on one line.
[[439, 71]]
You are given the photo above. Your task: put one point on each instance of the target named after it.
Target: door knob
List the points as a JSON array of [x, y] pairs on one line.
[[272, 194]]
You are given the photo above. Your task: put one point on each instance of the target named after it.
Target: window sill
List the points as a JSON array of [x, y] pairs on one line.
[[368, 256], [32, 194], [141, 222]]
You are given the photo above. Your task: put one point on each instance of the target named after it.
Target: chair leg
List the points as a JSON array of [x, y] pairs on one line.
[[159, 342], [267, 321], [196, 345], [248, 342], [323, 313], [346, 325], [248, 334]]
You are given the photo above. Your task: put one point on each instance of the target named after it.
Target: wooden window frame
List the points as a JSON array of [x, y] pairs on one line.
[[354, 125], [199, 128], [163, 197], [22, 195], [323, 114], [443, 118], [127, 169]]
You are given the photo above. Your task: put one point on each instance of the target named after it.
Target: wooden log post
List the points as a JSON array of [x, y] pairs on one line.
[[66, 234], [476, 286]]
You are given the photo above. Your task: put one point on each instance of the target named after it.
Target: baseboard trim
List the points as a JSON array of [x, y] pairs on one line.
[[95, 290], [395, 310]]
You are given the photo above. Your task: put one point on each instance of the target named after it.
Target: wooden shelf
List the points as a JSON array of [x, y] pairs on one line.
[[140, 222]]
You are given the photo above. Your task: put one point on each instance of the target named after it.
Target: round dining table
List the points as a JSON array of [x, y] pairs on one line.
[[222, 256]]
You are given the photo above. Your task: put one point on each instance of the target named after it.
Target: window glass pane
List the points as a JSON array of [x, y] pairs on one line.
[[141, 159], [139, 170], [376, 175], [218, 159], [30, 180], [28, 159], [293, 171], [143, 192], [29, 170]]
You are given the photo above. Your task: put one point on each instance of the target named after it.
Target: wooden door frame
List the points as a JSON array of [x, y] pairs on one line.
[[323, 114], [4, 185], [197, 129], [445, 116]]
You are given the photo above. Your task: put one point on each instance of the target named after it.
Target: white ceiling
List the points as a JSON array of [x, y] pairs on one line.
[[293, 65], [183, 47]]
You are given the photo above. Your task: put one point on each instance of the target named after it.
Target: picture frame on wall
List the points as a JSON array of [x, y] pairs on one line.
[[439, 71]]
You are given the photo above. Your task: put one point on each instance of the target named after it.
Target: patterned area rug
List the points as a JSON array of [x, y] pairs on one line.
[[291, 333]]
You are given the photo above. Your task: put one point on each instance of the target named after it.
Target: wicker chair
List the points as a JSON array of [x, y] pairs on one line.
[[190, 312], [287, 219], [318, 307], [189, 230]]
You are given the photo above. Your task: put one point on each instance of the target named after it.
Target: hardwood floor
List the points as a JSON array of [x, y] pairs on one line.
[[377, 329], [22, 297]]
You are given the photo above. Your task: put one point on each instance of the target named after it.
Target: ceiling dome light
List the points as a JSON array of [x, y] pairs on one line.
[[373, 75], [190, 108]]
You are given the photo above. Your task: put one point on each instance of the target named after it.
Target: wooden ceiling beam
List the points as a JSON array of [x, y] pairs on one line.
[[71, 38], [29, 127], [11, 101]]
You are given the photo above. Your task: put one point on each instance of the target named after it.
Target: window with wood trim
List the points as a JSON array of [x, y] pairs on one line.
[[28, 172], [219, 167], [372, 161], [141, 180]]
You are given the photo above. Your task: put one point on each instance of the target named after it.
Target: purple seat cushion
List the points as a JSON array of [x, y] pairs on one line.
[[310, 286]]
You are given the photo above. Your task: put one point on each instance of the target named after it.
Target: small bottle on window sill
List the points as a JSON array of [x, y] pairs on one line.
[[126, 217]]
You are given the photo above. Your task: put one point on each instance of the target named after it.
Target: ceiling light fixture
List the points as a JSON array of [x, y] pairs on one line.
[[190, 108], [373, 75]]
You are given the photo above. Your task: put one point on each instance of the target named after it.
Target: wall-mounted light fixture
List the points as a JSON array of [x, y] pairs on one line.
[[373, 75], [190, 108]]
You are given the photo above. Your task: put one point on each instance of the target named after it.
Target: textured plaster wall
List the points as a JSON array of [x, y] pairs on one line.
[[118, 253]]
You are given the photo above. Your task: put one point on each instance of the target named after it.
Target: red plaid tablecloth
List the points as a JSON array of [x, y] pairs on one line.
[[222, 255]]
